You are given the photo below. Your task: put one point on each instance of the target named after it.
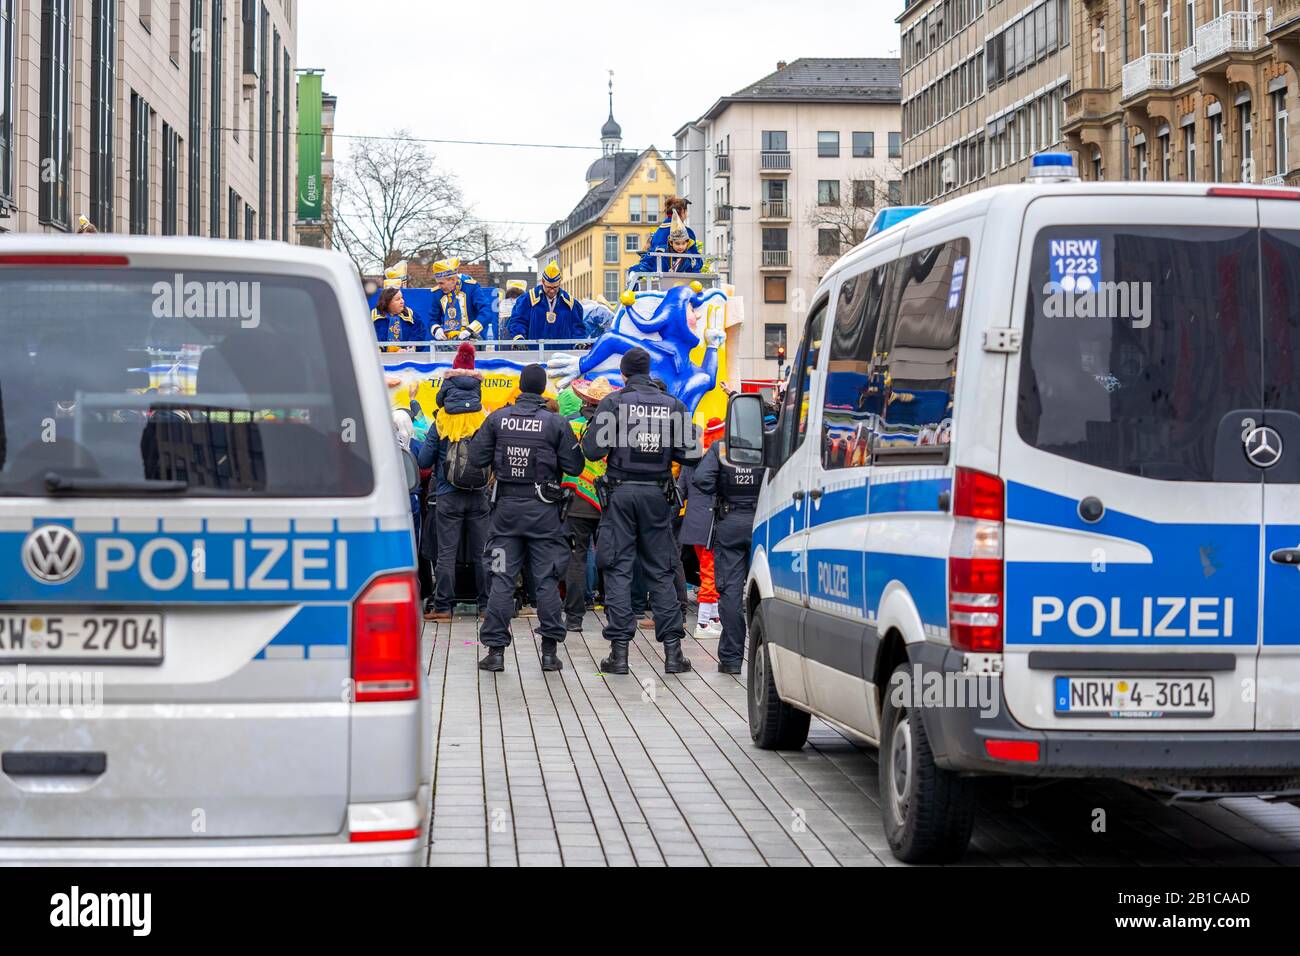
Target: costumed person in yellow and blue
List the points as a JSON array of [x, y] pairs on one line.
[[674, 205], [394, 322], [686, 255], [464, 308], [547, 312]]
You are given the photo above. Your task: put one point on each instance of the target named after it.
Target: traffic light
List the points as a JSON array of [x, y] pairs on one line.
[[780, 354]]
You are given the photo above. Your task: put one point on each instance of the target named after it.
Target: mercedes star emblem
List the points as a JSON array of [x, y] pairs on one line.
[[1264, 447]]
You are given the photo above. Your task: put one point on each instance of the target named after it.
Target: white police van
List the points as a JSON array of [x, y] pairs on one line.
[[209, 628], [1033, 504]]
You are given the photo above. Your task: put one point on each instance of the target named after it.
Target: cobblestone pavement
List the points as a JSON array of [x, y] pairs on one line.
[[579, 769]]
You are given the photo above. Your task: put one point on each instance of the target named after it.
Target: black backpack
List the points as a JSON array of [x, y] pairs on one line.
[[458, 470]]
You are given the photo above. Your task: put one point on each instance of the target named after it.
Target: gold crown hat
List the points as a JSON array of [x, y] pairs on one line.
[[446, 268], [395, 277], [677, 231], [552, 272]]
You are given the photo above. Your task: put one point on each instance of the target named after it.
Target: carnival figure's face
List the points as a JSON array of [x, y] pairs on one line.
[[449, 284], [550, 288], [396, 305], [679, 245]]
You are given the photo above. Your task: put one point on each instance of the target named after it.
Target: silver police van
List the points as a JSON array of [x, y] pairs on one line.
[[209, 628], [1033, 505]]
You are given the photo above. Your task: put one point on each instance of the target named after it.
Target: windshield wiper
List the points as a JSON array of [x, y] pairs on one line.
[[57, 484]]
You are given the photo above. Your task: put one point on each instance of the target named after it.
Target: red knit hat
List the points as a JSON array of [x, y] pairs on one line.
[[713, 430], [464, 356]]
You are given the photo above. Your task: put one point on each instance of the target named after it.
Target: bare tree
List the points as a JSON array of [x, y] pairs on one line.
[[392, 202], [850, 214]]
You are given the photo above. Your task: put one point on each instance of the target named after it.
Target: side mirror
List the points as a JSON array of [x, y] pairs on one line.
[[411, 468], [744, 439]]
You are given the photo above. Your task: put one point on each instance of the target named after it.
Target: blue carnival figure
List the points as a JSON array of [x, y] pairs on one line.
[[465, 308], [547, 312]]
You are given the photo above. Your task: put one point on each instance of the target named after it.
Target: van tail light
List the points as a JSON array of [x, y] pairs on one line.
[[386, 640], [1246, 192], [62, 259], [976, 582]]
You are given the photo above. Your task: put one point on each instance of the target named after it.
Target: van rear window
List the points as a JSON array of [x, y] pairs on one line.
[[219, 384], [1138, 342]]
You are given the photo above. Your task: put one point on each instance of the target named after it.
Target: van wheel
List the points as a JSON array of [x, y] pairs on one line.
[[773, 724], [929, 812]]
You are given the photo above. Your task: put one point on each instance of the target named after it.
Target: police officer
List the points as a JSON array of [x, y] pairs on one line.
[[531, 449], [640, 431], [735, 491]]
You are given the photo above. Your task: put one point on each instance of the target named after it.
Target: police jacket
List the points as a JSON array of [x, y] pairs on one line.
[[526, 444], [699, 510], [735, 487], [640, 431]]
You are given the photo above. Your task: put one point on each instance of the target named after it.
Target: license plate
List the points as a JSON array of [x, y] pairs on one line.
[[1143, 696], [104, 638]]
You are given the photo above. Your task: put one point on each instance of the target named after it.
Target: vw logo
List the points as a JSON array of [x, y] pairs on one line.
[[1264, 447], [52, 554]]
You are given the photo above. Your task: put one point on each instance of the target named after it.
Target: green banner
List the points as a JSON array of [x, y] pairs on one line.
[[311, 190]]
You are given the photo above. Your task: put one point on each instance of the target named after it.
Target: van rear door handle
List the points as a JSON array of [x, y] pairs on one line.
[[1285, 556], [53, 764]]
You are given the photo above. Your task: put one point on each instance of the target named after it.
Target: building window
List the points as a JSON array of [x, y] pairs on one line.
[[1166, 158], [864, 193], [56, 121], [864, 145], [103, 87], [828, 192], [1189, 150], [828, 143], [613, 281], [652, 174], [284, 143], [895, 192], [1247, 126], [140, 123], [651, 208], [252, 38], [776, 240], [1140, 151], [1281, 135], [232, 224], [250, 222], [774, 342], [828, 242], [170, 179], [632, 242], [611, 247], [194, 194], [214, 174], [634, 208], [275, 135], [895, 145], [774, 141], [1216, 140], [774, 290], [263, 148]]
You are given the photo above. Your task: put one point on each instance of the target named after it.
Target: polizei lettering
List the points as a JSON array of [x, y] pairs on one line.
[[521, 424], [224, 564], [1157, 617]]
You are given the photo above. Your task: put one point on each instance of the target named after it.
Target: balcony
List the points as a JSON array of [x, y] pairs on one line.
[[1275, 181], [775, 209], [775, 161], [1285, 13], [1155, 71], [1187, 65], [776, 259], [1231, 33], [723, 166], [722, 214], [1088, 107]]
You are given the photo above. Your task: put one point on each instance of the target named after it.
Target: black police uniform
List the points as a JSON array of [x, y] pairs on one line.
[[640, 431], [530, 449], [736, 492]]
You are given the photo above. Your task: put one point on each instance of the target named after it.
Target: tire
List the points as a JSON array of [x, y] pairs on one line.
[[773, 724], [928, 812]]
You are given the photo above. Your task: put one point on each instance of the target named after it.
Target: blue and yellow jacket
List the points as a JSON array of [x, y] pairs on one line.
[[405, 327], [471, 308], [529, 318]]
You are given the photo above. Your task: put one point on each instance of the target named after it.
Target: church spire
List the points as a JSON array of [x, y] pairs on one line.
[[611, 134]]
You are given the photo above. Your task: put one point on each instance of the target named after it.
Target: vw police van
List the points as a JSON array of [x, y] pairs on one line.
[[209, 638], [1033, 501]]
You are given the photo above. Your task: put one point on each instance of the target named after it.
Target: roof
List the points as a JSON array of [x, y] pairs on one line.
[[610, 166], [598, 199], [823, 80], [611, 129]]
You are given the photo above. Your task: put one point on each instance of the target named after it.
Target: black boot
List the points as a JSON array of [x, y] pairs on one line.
[[550, 660], [675, 661], [616, 663], [495, 660]]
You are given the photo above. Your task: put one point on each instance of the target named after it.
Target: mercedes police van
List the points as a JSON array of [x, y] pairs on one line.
[[209, 628], [1033, 500]]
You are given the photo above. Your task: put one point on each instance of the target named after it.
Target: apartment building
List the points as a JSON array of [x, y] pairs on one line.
[[1187, 90], [783, 176], [984, 87], [165, 117]]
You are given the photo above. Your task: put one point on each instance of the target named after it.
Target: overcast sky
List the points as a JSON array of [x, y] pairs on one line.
[[528, 72]]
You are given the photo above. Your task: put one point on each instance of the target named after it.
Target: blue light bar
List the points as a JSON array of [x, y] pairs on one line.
[[892, 216]]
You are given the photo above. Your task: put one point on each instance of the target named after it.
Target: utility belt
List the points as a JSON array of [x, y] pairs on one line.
[[547, 492], [605, 486], [728, 505]]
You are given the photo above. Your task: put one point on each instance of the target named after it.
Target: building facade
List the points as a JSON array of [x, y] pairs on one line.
[[606, 232], [785, 175], [1187, 90], [168, 117], [985, 85]]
